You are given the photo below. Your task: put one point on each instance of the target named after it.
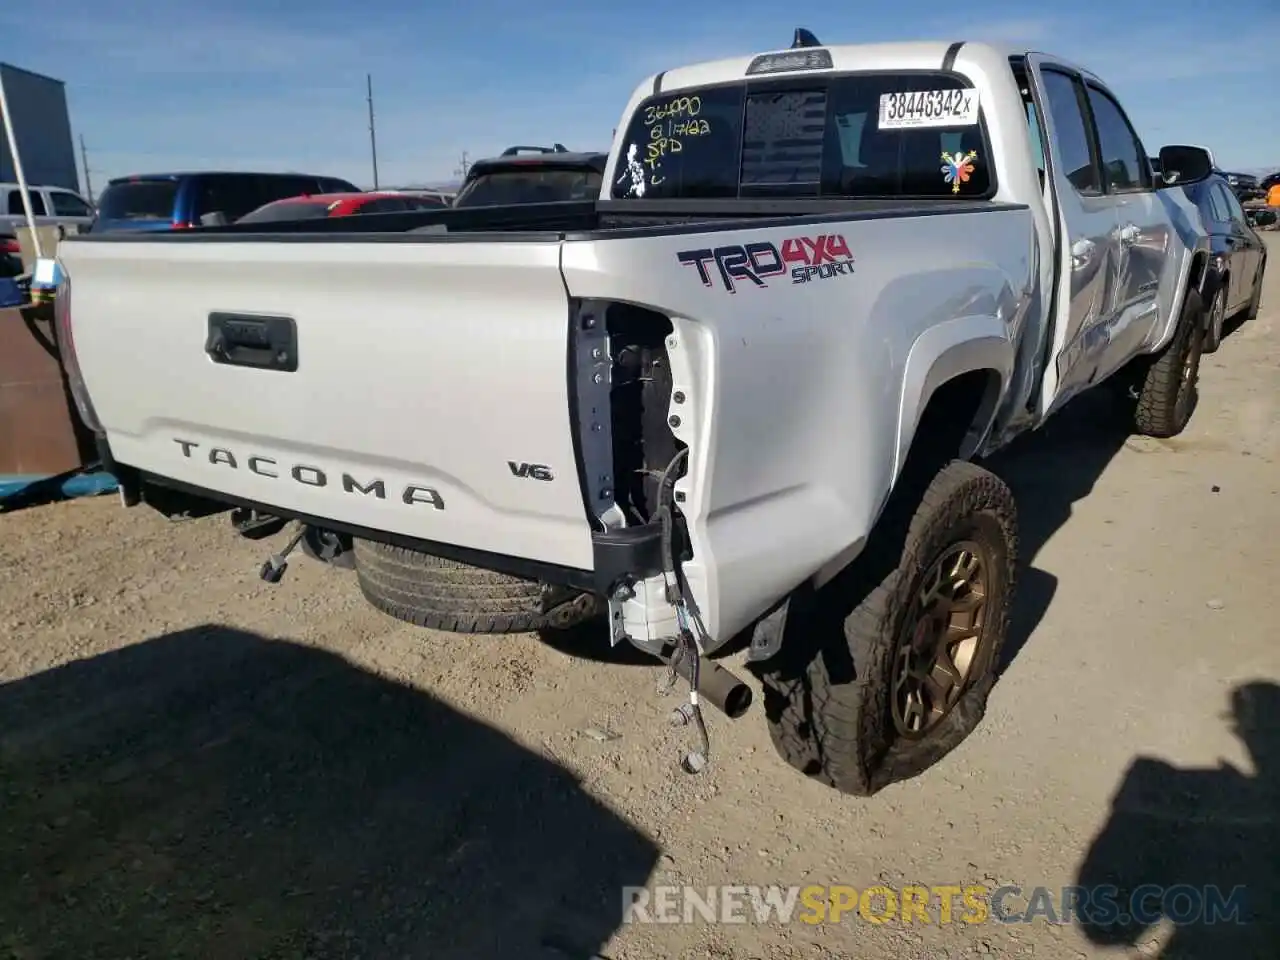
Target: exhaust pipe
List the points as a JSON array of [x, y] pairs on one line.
[[721, 688]]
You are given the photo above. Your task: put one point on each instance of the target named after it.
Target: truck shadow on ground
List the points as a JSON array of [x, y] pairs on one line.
[[1190, 859], [1049, 471], [215, 794]]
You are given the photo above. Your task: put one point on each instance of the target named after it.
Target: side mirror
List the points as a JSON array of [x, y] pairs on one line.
[[1182, 165], [1264, 218], [215, 219]]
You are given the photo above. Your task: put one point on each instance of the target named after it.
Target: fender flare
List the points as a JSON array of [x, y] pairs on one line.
[[943, 352]]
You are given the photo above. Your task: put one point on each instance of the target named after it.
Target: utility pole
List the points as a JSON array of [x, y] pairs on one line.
[[463, 165], [84, 160], [373, 138]]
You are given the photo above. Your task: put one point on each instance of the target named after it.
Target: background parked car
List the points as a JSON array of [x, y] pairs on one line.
[[533, 175], [1239, 257], [175, 201], [320, 205], [443, 198], [1244, 185], [51, 206]]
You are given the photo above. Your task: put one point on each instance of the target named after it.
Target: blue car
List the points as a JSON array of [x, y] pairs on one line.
[[177, 201]]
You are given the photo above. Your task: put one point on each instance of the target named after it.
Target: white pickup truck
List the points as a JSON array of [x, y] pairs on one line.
[[738, 397]]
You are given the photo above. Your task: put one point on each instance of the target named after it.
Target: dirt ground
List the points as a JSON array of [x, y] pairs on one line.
[[194, 764]]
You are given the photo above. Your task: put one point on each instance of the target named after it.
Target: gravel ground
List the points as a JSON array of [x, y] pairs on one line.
[[194, 764]]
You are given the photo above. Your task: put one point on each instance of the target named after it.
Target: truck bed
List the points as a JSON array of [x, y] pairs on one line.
[[436, 387], [575, 220]]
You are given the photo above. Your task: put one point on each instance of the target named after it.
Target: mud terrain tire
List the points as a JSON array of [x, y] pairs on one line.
[[1167, 383], [830, 701]]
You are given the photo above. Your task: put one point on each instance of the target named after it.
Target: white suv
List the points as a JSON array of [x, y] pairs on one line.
[[51, 206]]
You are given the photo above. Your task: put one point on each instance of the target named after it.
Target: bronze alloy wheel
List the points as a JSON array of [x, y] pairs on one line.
[[940, 638]]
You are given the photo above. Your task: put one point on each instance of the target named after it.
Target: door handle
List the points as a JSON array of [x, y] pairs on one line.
[[248, 340], [1081, 254]]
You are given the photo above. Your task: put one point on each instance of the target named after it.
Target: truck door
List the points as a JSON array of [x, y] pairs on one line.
[[1245, 256], [1144, 232], [1088, 225]]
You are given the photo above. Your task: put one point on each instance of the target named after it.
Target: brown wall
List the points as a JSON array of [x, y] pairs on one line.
[[40, 432]]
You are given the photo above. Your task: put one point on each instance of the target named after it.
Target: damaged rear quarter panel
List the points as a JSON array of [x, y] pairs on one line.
[[795, 390]]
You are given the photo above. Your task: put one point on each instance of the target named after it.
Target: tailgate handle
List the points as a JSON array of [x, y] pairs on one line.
[[245, 340]]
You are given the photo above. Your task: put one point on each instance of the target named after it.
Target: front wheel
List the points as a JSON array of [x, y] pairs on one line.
[[1167, 382], [885, 694]]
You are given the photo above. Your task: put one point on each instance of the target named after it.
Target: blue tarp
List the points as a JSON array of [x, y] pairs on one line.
[[11, 295], [75, 485]]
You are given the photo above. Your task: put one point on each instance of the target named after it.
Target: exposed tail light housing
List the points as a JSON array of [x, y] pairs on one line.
[[10, 245], [67, 352]]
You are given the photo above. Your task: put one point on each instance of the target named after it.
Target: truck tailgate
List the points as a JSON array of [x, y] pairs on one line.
[[431, 379]]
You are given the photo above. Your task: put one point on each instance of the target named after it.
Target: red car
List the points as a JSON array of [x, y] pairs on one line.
[[318, 205]]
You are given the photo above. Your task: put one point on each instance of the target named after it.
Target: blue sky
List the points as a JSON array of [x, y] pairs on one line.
[[157, 86]]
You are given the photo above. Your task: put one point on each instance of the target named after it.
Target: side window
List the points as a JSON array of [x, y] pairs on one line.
[[1073, 138], [1037, 136], [1218, 206], [1234, 210], [1123, 158], [278, 188], [68, 205], [1035, 129], [18, 210], [231, 195]]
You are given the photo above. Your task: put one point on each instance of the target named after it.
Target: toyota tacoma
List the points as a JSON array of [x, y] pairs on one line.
[[740, 397]]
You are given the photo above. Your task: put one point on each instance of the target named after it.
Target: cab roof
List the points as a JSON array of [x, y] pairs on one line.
[[909, 55]]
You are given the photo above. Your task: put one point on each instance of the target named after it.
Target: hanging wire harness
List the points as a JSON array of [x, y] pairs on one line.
[[689, 643]]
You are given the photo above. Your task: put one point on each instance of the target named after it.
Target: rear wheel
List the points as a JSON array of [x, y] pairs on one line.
[[886, 692], [430, 591], [1255, 302], [1217, 318]]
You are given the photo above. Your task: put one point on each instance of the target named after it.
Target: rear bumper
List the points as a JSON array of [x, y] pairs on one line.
[[618, 556]]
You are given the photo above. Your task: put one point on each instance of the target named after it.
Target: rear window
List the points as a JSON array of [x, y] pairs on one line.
[[334, 185], [138, 200], [534, 185], [297, 210], [855, 135], [237, 194], [68, 205]]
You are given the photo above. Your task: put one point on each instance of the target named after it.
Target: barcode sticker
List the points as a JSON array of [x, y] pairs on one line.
[[929, 108]]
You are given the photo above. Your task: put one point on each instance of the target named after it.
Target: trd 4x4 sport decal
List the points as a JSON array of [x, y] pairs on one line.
[[805, 258]]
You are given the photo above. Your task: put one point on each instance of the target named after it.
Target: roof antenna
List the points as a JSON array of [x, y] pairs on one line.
[[804, 38]]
